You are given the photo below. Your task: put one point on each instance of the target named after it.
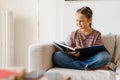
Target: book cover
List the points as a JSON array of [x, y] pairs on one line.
[[84, 52]]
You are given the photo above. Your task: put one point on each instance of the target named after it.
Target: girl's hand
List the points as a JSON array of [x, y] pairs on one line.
[[76, 54], [77, 47]]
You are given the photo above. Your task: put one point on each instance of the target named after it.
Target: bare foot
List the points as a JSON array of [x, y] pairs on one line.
[[102, 68]]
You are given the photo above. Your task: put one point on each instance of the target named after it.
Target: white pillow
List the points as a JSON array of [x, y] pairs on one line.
[[109, 42], [117, 50]]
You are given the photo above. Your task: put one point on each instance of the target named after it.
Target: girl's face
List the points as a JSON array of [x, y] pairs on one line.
[[82, 21]]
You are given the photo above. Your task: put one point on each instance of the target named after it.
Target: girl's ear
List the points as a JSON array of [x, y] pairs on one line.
[[90, 20]]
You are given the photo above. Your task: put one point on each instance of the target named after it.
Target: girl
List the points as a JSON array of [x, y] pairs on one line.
[[85, 36]]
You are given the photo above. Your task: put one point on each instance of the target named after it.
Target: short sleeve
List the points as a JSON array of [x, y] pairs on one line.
[[98, 40]]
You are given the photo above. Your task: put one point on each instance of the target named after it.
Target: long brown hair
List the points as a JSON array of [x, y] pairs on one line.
[[87, 12]]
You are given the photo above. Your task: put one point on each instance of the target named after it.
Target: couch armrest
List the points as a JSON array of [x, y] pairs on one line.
[[40, 57]]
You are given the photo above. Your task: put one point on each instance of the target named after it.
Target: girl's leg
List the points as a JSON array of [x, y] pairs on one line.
[[64, 60], [98, 60]]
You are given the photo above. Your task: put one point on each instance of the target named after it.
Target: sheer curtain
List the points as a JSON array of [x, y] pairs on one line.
[[6, 39]]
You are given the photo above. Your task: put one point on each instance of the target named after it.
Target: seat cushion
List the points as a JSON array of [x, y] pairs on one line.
[[85, 75]]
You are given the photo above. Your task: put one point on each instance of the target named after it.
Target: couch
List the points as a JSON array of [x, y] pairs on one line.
[[40, 58]]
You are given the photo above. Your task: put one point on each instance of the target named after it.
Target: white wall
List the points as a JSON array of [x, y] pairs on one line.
[[26, 33], [105, 19], [47, 21]]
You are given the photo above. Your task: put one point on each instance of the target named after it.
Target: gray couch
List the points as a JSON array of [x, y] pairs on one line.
[[40, 58]]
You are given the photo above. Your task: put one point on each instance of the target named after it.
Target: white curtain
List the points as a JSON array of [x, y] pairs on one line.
[[6, 39]]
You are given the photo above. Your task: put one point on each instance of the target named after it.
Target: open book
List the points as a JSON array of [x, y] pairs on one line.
[[87, 51]]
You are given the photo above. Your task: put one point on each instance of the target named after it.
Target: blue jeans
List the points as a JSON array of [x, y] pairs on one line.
[[98, 60]]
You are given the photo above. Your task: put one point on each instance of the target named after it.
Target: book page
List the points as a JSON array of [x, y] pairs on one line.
[[64, 46]]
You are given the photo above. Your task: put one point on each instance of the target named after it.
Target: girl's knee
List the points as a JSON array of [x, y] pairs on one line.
[[104, 56], [58, 54]]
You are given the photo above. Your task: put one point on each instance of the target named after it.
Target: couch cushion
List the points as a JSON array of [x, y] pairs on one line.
[[109, 42], [85, 75], [117, 50]]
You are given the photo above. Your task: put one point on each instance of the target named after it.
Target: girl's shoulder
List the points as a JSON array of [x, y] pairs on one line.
[[96, 31], [75, 32]]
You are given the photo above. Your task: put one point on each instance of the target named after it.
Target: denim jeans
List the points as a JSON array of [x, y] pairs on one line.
[[64, 60]]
